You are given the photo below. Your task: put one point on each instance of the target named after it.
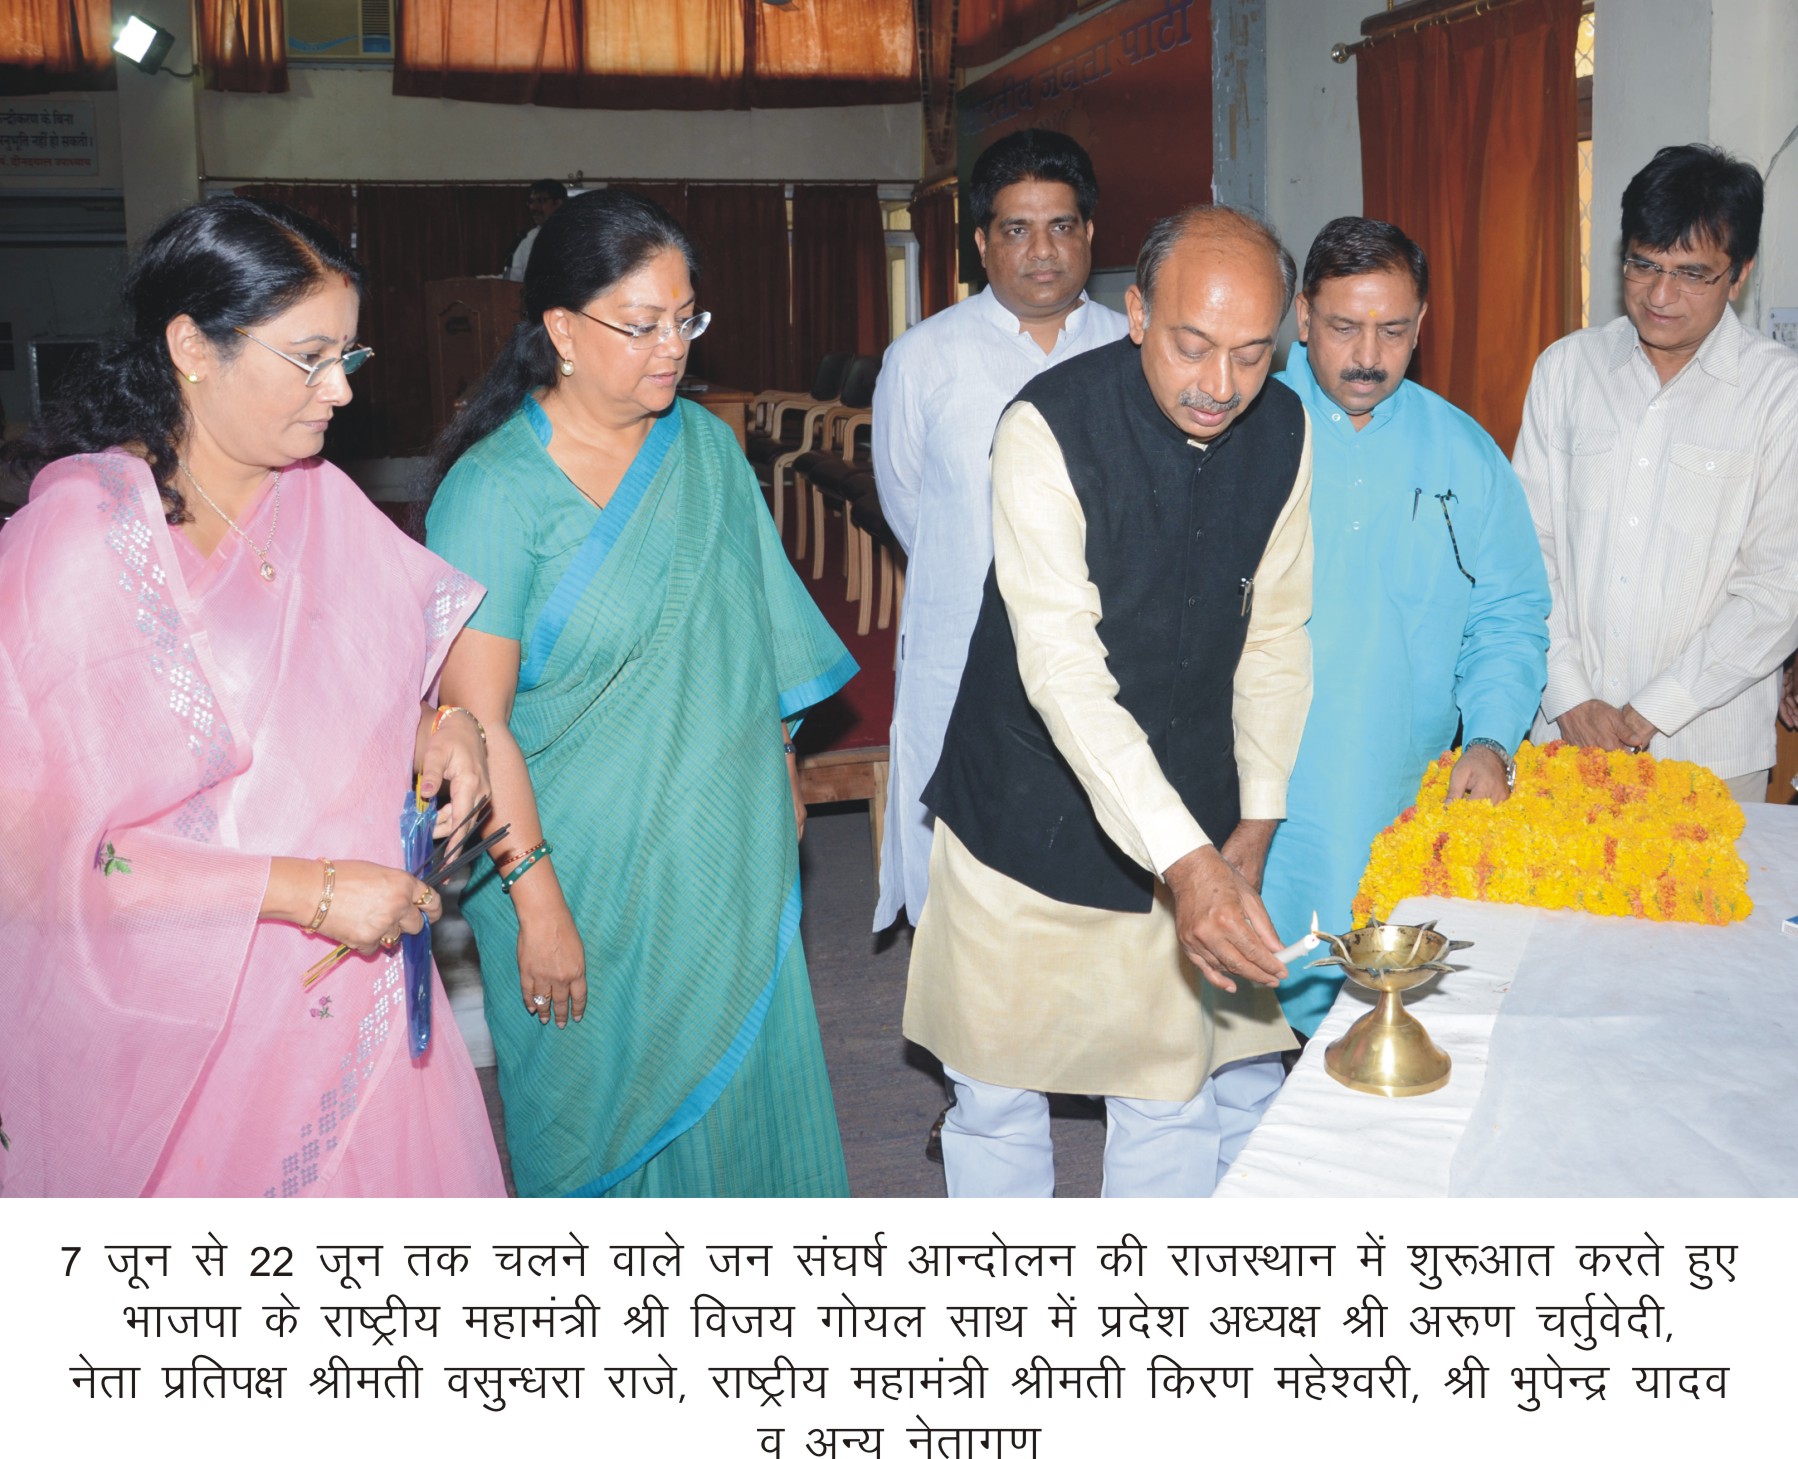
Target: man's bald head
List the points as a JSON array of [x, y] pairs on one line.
[[1218, 284], [1213, 228]]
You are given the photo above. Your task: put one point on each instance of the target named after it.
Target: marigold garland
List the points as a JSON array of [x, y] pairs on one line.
[[1597, 830]]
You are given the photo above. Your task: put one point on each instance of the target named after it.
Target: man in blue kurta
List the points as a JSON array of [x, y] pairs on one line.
[[1430, 600]]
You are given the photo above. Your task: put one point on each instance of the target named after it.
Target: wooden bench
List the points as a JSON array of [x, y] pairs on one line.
[[839, 775]]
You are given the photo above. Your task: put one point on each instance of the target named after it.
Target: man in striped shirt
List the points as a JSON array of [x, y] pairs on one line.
[[1659, 453]]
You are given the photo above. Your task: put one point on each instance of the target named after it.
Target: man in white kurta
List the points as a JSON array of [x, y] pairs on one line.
[[1659, 453], [942, 388]]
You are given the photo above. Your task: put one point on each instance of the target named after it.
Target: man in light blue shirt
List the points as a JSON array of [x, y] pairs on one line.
[[943, 385], [1430, 600]]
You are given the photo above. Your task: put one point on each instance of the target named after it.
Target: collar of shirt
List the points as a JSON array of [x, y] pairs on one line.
[[1010, 324], [1326, 414], [1720, 355]]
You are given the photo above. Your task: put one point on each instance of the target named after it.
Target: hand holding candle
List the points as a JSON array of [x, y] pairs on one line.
[[1293, 951]]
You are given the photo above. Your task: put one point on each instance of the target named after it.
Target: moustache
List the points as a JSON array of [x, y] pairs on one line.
[[1355, 375], [1199, 400]]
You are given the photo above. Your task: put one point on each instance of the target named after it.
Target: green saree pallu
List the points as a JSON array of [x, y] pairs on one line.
[[661, 640]]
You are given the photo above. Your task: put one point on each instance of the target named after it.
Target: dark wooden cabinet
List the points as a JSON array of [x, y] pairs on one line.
[[467, 321]]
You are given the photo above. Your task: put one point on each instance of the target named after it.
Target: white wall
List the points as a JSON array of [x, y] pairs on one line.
[[1651, 86], [1313, 132], [347, 124], [1753, 108]]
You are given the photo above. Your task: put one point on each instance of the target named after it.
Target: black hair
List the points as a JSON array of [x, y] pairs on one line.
[[1168, 232], [549, 187], [228, 263], [1693, 195], [1345, 247], [1036, 155], [584, 248]]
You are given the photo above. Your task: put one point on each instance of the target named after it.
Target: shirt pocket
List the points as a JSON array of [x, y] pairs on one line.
[[1590, 470], [1708, 496], [1704, 464]]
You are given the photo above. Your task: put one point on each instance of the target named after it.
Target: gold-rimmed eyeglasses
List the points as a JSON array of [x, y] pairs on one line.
[[648, 336], [1688, 278], [352, 359]]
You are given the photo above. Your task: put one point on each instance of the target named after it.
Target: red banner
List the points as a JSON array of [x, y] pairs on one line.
[[1133, 87]]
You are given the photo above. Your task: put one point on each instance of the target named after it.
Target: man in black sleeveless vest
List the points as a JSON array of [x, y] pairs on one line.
[[1117, 757]]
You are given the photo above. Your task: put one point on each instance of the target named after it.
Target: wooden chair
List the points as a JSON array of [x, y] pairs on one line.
[[787, 423], [872, 537], [846, 448]]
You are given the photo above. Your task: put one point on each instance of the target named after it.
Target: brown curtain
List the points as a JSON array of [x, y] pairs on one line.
[[408, 236], [330, 204], [1468, 143], [698, 55], [834, 53], [990, 28], [933, 222], [839, 273], [243, 44], [671, 197], [55, 45], [740, 231], [617, 54]]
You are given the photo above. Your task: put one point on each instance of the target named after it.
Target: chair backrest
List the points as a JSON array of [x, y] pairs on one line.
[[829, 379], [858, 384]]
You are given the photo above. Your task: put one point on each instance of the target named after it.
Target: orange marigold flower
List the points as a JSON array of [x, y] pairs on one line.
[[1597, 830]]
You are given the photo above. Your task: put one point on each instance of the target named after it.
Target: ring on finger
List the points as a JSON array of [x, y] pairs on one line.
[[539, 1001], [423, 899]]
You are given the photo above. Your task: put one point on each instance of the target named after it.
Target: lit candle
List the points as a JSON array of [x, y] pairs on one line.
[[1294, 951]]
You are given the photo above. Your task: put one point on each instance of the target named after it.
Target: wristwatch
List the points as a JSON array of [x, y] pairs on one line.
[[1503, 755]]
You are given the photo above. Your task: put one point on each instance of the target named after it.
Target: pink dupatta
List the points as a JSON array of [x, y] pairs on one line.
[[168, 724]]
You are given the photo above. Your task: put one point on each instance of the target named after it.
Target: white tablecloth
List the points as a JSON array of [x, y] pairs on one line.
[[1593, 1056]]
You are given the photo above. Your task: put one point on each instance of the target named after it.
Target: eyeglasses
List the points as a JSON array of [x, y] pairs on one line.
[[1687, 279], [647, 336], [352, 359]]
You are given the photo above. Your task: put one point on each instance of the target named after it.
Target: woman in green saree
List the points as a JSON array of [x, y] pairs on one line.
[[643, 648]]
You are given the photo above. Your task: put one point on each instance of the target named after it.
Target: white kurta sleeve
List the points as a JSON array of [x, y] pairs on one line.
[[898, 447], [1541, 463], [1039, 557], [1273, 680]]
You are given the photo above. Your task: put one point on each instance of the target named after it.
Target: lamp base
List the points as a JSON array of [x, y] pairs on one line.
[[1387, 1052]]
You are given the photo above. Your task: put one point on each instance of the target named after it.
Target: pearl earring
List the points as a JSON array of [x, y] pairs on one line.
[[192, 379], [567, 367]]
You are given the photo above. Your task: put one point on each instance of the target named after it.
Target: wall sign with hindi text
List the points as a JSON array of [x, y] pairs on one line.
[[48, 138]]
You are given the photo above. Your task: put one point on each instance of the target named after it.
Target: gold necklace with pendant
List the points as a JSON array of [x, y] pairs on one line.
[[267, 569]]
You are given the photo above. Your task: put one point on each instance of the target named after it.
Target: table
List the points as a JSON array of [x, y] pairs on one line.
[[728, 403], [1593, 1056]]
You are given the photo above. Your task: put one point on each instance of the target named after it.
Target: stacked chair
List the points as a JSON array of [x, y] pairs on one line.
[[839, 472], [783, 424]]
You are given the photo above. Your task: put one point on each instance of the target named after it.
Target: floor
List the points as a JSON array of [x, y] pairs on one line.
[[887, 1092]]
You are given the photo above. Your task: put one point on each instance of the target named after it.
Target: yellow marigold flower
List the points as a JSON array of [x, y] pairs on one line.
[[1602, 831]]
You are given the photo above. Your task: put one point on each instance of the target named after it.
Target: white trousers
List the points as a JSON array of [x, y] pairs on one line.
[[1749, 789], [996, 1140]]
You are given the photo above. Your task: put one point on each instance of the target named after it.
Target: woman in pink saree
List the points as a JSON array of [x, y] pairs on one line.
[[216, 662]]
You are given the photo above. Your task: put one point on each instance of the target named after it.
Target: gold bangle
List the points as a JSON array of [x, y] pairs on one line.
[[448, 709], [531, 858], [517, 853], [324, 902]]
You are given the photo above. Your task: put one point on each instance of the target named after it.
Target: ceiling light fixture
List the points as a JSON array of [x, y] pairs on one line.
[[146, 45]]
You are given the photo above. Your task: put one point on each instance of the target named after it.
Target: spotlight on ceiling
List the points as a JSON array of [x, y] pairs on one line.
[[146, 44]]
